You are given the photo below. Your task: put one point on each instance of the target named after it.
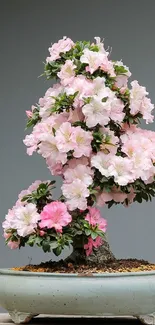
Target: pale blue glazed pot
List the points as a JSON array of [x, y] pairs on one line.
[[25, 294]]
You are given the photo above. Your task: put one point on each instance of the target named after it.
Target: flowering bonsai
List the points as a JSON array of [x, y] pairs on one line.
[[86, 127]]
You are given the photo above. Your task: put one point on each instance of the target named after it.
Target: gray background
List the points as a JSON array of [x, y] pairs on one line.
[[27, 27]]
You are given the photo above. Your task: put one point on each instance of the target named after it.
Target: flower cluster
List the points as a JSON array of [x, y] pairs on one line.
[[86, 128], [38, 220]]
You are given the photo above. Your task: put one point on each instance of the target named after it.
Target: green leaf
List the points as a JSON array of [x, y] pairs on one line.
[[87, 232], [46, 246], [79, 232], [53, 244], [57, 251], [120, 69], [26, 197], [93, 235]]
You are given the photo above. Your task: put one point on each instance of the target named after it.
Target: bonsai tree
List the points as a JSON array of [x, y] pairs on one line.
[[86, 127]]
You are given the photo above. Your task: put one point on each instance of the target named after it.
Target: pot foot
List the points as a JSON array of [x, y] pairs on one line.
[[19, 317], [147, 319]]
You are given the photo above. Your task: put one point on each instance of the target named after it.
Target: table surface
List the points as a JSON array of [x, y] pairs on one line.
[[47, 319]]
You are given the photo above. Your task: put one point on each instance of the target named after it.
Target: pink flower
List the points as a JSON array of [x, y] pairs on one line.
[[93, 59], [31, 142], [42, 233], [63, 137], [107, 66], [47, 102], [146, 110], [82, 142], [83, 86], [115, 195], [72, 163], [82, 172], [10, 220], [48, 149], [31, 188], [121, 81], [137, 93], [35, 185], [94, 218], [116, 113], [6, 235], [13, 244], [75, 115], [76, 194], [140, 103], [92, 243], [55, 215], [131, 196], [110, 141], [63, 46], [67, 72], [55, 168], [29, 114]]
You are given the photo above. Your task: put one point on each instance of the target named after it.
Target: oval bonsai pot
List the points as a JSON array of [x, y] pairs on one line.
[[27, 294]]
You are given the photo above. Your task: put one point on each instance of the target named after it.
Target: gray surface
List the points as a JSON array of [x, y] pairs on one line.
[[27, 29], [45, 319]]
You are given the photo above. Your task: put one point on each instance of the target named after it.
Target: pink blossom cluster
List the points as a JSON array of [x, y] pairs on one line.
[[95, 103], [138, 147], [63, 46], [94, 218], [83, 128], [25, 219], [54, 146], [92, 244], [140, 103]]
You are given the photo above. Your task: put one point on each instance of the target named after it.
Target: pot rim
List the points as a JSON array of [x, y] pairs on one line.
[[9, 272]]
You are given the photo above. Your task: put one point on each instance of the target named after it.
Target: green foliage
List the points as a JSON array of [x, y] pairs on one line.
[[63, 102], [143, 191], [97, 140], [34, 119], [41, 196], [51, 69], [120, 69], [81, 124]]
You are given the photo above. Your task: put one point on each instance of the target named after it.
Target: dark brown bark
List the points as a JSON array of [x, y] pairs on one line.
[[99, 256]]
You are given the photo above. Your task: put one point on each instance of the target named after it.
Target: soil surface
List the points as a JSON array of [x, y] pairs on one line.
[[122, 265]]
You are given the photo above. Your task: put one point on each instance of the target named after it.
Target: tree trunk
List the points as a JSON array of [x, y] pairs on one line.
[[99, 256]]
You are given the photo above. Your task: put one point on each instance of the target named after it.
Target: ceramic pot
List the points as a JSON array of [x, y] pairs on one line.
[[27, 294]]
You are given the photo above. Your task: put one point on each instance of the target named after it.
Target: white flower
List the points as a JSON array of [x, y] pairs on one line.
[[101, 161], [96, 112], [82, 172], [121, 169], [76, 194], [94, 59], [26, 219], [137, 94], [67, 72], [100, 45], [99, 84], [48, 148]]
